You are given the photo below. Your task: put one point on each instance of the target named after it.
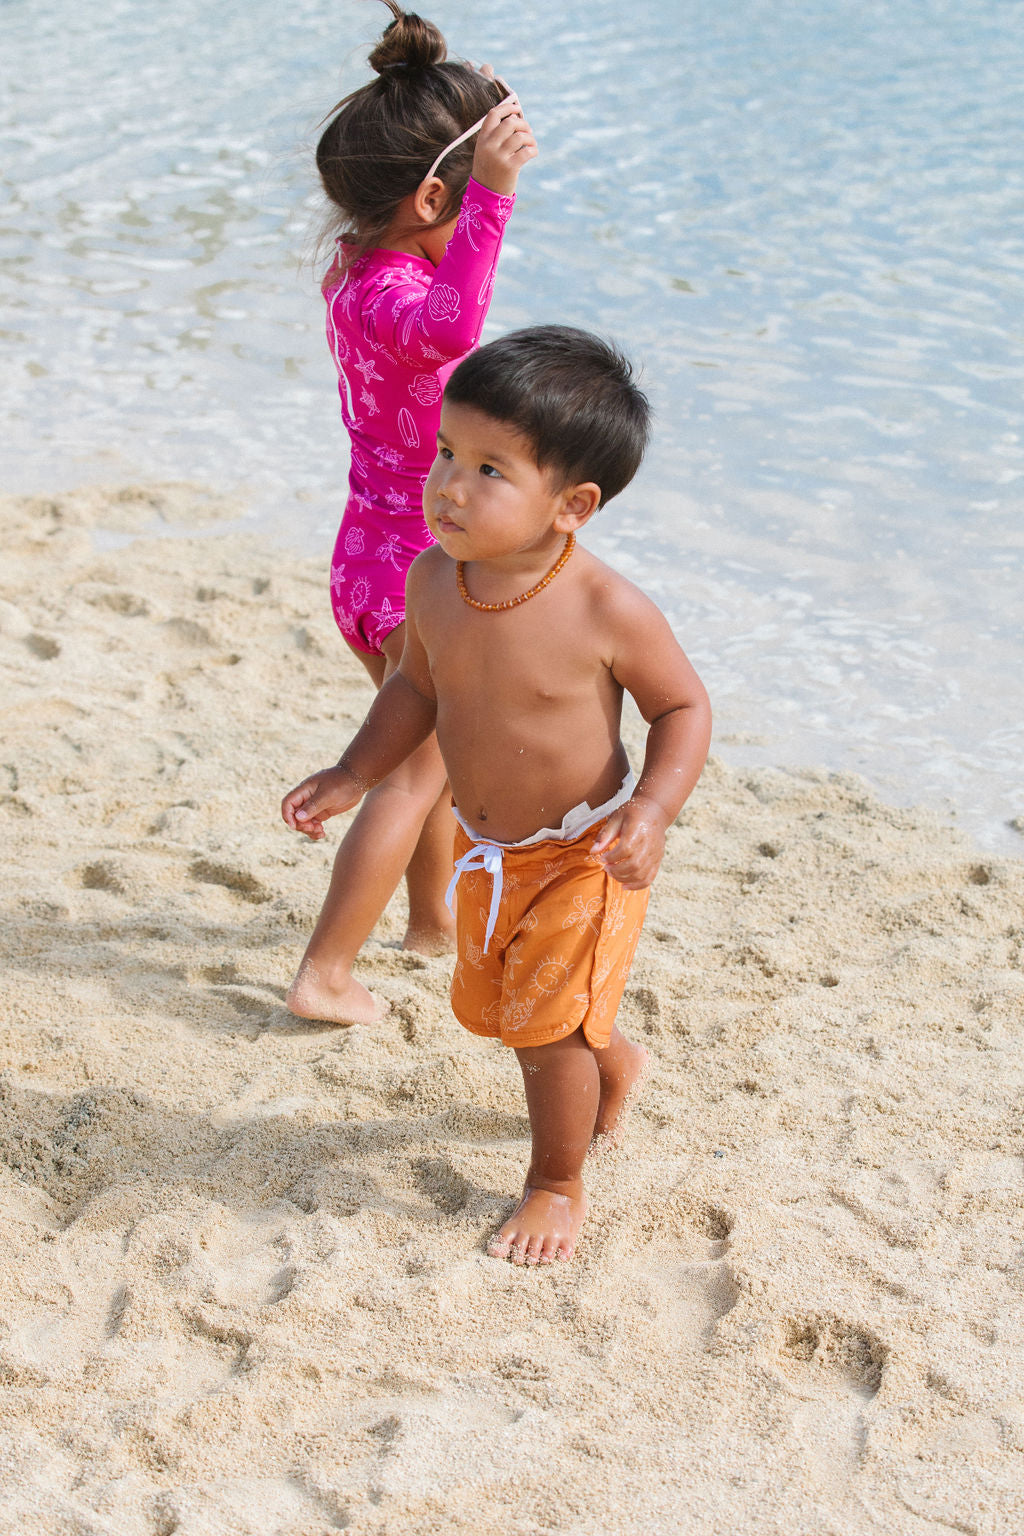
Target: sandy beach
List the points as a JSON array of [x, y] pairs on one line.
[[243, 1271]]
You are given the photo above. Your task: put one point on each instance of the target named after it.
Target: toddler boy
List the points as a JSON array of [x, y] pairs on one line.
[[518, 648]]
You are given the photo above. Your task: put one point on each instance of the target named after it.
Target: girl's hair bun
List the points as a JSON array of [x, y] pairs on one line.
[[409, 44]]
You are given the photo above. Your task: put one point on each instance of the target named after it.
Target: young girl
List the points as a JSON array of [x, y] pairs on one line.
[[421, 166]]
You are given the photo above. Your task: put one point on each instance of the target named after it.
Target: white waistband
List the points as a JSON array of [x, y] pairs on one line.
[[574, 822], [487, 855]]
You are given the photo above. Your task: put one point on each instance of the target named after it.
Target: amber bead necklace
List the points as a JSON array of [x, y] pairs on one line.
[[524, 597]]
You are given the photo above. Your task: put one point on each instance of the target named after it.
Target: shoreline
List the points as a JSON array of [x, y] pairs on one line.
[[246, 1278]]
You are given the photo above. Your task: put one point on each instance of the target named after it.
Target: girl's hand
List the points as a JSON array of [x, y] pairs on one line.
[[503, 146], [632, 843], [323, 794]]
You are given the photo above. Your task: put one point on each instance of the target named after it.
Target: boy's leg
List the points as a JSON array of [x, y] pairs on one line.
[[563, 1090]]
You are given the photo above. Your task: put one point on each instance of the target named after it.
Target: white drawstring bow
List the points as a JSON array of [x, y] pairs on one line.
[[486, 856]]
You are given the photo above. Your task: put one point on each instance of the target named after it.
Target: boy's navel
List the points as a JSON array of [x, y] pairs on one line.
[[481, 815]]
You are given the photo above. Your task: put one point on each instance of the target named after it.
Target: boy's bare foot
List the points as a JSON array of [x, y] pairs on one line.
[[309, 997], [619, 1092], [437, 939], [542, 1228]]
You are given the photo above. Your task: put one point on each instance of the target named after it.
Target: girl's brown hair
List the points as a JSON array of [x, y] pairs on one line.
[[382, 139]]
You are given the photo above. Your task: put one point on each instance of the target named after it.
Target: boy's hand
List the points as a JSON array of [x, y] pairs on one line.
[[632, 842], [503, 146], [323, 794]]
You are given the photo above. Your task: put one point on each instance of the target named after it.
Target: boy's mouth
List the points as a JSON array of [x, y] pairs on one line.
[[448, 524]]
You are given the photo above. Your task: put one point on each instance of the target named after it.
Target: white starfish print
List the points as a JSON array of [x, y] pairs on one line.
[[388, 616], [368, 369]]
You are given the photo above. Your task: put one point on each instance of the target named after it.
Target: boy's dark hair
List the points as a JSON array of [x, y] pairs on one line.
[[569, 394], [381, 140]]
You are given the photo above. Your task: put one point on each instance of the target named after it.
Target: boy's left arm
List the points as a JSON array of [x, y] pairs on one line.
[[650, 665]]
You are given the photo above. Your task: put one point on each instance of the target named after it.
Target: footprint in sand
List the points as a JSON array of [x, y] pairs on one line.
[[673, 1259], [443, 1184], [240, 882], [835, 1368]]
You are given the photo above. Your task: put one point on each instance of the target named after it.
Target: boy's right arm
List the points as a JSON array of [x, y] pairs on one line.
[[401, 717]]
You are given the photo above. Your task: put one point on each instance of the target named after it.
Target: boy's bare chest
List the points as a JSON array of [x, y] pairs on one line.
[[499, 661]]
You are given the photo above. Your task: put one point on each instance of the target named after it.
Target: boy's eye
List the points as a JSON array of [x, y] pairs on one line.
[[444, 453], [489, 469]]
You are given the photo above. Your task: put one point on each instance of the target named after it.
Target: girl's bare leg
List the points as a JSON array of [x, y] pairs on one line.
[[404, 821], [621, 1067], [431, 928]]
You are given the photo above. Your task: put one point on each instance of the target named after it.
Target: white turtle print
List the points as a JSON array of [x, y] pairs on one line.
[[369, 401], [426, 388], [443, 303], [398, 501], [517, 1012], [388, 552], [355, 541], [391, 458]]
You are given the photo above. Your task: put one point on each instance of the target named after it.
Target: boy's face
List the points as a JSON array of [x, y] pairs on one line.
[[486, 497]]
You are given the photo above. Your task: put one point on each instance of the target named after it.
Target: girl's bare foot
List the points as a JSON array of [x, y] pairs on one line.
[[432, 939], [623, 1068], [542, 1228], [311, 997]]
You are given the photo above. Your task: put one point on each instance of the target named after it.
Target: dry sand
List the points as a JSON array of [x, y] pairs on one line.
[[243, 1279]]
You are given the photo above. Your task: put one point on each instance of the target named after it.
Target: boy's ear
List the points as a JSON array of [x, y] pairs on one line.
[[581, 502]]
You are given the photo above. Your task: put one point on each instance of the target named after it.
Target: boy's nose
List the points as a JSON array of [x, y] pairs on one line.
[[452, 490]]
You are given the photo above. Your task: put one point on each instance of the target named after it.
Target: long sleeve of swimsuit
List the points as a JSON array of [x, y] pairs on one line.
[[433, 325]]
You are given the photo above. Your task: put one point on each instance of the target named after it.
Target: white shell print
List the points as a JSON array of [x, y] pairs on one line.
[[426, 388], [408, 428], [443, 303], [355, 541]]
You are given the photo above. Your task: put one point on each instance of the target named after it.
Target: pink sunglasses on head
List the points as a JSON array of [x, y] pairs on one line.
[[507, 100]]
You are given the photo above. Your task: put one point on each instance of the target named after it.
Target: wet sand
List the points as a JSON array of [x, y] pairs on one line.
[[243, 1268]]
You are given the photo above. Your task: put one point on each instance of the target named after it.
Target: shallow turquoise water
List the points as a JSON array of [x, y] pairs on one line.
[[804, 219]]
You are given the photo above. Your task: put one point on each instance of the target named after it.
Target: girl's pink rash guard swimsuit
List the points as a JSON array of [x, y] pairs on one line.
[[397, 327]]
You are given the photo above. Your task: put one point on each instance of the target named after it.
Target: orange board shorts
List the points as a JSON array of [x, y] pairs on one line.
[[563, 942]]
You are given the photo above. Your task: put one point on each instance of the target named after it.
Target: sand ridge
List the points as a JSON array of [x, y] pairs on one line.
[[242, 1256]]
